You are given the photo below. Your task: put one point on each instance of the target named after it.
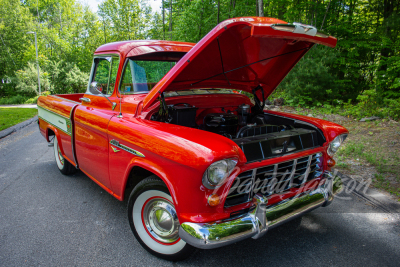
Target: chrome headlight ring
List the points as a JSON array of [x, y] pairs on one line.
[[217, 172], [335, 144]]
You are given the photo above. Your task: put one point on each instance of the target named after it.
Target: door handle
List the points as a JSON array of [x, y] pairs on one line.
[[85, 99]]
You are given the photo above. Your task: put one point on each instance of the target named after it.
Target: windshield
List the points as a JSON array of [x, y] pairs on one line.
[[143, 75]]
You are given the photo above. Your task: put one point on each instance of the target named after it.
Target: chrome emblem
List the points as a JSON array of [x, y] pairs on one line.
[[123, 147], [114, 149]]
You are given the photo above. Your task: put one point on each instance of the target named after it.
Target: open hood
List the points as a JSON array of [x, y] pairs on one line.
[[242, 53]]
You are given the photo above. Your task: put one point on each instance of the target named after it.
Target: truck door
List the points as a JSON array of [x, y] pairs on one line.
[[91, 121]]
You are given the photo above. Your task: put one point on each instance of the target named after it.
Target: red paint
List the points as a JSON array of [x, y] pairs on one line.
[[179, 155]]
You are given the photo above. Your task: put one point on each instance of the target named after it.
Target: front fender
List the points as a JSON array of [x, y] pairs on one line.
[[178, 155]]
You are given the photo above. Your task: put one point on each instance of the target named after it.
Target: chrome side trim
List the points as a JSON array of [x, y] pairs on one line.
[[127, 149], [256, 223], [72, 134], [205, 91], [65, 99], [53, 112]]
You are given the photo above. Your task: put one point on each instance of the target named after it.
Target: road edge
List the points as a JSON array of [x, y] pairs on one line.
[[17, 127], [372, 195]]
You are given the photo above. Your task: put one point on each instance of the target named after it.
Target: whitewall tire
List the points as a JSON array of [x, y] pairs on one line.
[[63, 165], [154, 221]]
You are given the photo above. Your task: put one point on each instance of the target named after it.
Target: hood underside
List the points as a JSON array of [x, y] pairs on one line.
[[241, 54]]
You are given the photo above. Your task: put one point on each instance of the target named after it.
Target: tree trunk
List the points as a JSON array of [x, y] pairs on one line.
[[170, 20], [201, 19], [260, 8], [257, 8], [104, 28], [218, 12], [326, 12], [163, 19], [388, 8]]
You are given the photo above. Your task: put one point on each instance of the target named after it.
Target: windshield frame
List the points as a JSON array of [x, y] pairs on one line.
[[140, 58]]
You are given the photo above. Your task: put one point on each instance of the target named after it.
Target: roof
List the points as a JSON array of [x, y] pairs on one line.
[[124, 47]]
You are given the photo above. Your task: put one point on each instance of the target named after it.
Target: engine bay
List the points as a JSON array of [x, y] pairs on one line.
[[260, 135]]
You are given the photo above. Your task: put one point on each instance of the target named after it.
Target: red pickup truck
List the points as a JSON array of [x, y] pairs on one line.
[[170, 127]]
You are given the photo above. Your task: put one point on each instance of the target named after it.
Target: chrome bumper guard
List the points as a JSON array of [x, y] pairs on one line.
[[256, 223]]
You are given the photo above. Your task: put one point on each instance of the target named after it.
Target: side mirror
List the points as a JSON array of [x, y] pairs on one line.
[[94, 89]]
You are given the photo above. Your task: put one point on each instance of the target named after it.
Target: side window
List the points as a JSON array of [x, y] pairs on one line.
[[126, 86], [113, 77], [105, 73], [102, 72]]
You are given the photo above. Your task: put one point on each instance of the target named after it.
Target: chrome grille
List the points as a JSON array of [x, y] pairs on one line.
[[274, 179]]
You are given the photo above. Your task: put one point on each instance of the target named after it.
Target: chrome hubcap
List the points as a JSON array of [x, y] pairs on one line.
[[160, 219]]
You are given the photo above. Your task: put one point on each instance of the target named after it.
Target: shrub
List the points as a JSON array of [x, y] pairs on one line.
[[77, 80], [66, 78], [14, 100], [27, 81], [311, 81]]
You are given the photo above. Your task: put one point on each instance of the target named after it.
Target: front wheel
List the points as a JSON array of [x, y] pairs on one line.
[[154, 221]]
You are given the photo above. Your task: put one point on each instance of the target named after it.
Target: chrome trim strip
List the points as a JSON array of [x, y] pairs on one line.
[[52, 112], [257, 222], [72, 134], [65, 99], [205, 91], [126, 148]]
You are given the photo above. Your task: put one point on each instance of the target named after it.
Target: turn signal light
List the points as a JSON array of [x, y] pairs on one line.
[[213, 200], [331, 163]]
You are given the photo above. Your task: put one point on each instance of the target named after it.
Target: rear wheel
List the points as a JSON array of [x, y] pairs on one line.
[[63, 165], [154, 221]]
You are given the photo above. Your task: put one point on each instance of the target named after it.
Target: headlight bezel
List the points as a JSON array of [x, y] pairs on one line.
[[335, 144], [214, 183]]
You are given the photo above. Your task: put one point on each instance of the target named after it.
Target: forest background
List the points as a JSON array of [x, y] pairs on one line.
[[360, 77]]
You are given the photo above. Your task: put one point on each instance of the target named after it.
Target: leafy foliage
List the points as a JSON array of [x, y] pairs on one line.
[[27, 80], [365, 63]]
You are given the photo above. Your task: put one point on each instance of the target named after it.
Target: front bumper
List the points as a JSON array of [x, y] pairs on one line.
[[256, 223]]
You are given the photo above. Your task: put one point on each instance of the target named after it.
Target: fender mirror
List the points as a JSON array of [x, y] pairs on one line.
[[96, 90]]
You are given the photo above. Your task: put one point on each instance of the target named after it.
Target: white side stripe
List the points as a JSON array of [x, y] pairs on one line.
[[56, 120]]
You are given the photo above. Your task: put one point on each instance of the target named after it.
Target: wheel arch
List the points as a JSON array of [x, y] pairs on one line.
[[138, 171], [50, 131]]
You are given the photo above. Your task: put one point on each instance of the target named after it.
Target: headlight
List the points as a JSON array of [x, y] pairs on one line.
[[335, 144], [217, 172]]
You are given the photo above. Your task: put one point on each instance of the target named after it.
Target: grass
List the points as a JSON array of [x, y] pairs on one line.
[[12, 116]]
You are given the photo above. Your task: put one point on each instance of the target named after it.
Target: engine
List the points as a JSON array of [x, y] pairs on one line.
[[238, 123], [260, 135]]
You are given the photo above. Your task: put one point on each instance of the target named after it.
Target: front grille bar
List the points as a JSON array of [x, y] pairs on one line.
[[290, 173]]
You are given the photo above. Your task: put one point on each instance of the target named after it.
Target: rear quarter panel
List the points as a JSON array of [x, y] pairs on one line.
[[55, 114]]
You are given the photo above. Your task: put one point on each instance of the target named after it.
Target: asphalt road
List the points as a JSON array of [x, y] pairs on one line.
[[50, 219]]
